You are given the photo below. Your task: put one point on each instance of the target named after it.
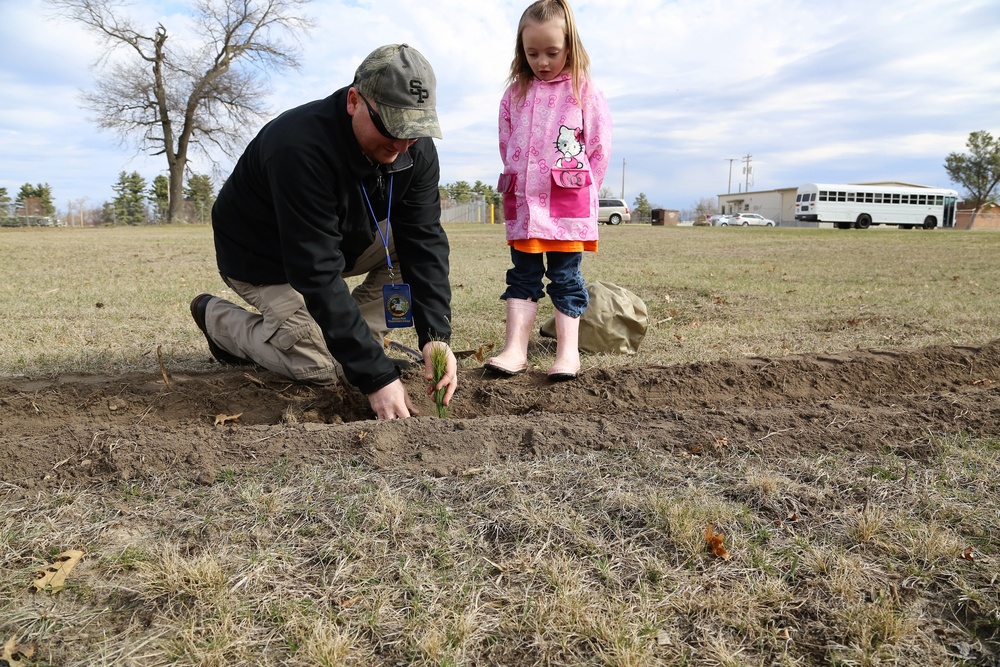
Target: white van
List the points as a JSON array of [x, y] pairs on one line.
[[613, 212]]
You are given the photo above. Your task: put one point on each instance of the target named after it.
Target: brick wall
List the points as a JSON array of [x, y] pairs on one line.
[[987, 218]]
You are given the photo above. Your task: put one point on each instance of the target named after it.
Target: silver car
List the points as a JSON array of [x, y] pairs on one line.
[[613, 211], [746, 219]]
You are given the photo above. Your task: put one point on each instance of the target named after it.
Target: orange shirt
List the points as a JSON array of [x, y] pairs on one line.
[[535, 246]]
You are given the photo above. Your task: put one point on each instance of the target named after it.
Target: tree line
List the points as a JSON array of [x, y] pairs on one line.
[[136, 202]]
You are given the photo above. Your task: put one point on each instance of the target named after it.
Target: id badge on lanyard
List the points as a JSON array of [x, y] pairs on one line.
[[396, 299]]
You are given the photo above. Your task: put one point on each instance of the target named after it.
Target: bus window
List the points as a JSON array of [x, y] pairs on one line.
[[822, 195], [841, 196], [895, 199], [850, 196], [812, 197], [923, 200], [904, 199], [878, 198]]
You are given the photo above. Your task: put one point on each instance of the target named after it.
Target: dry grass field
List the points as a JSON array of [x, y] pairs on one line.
[[799, 467]]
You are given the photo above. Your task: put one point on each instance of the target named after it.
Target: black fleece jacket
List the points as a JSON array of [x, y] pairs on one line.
[[293, 212]]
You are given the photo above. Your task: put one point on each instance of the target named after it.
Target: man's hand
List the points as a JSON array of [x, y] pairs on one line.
[[450, 377], [392, 401]]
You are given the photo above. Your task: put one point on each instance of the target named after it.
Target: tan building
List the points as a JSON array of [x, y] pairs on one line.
[[777, 205]]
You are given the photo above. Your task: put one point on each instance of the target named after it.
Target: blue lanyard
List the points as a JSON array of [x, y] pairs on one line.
[[385, 236]]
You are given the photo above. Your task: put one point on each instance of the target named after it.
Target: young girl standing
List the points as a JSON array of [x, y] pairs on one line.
[[555, 141]]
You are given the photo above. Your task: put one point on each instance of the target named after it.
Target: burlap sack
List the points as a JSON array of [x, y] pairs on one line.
[[615, 320]]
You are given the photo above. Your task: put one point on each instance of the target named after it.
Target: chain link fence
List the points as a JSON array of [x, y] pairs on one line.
[[473, 211]]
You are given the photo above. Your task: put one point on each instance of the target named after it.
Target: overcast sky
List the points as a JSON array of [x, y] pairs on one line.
[[813, 90]]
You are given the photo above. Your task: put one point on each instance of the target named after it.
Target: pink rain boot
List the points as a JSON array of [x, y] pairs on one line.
[[567, 363], [514, 358]]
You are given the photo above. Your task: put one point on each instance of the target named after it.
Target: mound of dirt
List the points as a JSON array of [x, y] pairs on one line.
[[73, 429]]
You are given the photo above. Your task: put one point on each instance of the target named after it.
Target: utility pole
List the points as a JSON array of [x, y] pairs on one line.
[[747, 170], [729, 188], [623, 178]]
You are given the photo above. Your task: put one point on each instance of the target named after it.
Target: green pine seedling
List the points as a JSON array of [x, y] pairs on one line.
[[439, 366]]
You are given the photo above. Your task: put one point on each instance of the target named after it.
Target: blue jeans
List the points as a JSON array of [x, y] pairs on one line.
[[566, 286]]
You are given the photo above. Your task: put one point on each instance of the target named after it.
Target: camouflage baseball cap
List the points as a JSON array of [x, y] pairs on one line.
[[400, 80]]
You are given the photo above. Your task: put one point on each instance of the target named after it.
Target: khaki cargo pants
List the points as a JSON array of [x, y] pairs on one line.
[[282, 336]]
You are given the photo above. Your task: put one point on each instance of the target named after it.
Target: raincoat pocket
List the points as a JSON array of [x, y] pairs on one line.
[[570, 193], [505, 186]]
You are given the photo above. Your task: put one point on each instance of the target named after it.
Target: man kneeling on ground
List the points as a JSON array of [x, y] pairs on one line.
[[339, 187]]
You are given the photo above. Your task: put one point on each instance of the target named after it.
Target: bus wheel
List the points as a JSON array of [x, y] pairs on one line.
[[864, 221], [930, 222]]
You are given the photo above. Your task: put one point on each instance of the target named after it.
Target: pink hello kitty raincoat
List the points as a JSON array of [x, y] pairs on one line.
[[558, 153]]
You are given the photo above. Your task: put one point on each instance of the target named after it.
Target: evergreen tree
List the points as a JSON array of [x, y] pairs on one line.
[[107, 214], [641, 207], [489, 193], [159, 196], [129, 204], [35, 200], [5, 203], [200, 192], [461, 191]]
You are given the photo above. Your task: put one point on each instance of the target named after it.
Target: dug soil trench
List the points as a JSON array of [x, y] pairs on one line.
[[71, 430]]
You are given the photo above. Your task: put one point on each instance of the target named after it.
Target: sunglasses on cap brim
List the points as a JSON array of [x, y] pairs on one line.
[[376, 119]]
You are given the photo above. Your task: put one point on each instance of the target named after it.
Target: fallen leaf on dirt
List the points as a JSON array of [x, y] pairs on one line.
[[351, 602], [969, 554], [53, 577], [221, 420], [479, 353], [14, 654], [663, 638], [714, 541]]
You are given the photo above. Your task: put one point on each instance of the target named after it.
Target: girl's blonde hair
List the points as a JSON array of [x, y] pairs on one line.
[[542, 11]]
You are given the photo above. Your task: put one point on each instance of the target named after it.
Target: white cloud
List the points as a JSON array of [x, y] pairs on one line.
[[824, 90]]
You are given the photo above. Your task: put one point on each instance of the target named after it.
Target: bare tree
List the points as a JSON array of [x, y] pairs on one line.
[[198, 97], [705, 207]]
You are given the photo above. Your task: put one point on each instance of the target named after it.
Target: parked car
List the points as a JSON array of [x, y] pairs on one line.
[[745, 219], [718, 219], [613, 211]]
